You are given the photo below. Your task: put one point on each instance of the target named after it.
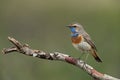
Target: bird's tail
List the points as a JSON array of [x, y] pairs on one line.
[[94, 54]]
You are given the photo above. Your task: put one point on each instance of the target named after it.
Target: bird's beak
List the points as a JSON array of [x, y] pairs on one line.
[[68, 26]]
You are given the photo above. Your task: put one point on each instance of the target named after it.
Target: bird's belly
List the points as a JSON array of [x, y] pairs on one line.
[[83, 46]]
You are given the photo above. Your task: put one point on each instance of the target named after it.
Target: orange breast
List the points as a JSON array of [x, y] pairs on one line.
[[77, 40]]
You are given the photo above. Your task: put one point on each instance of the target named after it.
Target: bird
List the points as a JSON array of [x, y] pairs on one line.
[[82, 41]]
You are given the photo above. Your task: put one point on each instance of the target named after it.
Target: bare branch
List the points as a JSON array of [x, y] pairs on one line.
[[26, 50]]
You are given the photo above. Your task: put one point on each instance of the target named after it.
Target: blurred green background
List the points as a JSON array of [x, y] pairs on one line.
[[41, 24]]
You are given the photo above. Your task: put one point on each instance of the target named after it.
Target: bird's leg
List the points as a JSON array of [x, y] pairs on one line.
[[81, 56], [86, 57], [84, 63]]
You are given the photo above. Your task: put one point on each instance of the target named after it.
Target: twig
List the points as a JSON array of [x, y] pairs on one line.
[[26, 50]]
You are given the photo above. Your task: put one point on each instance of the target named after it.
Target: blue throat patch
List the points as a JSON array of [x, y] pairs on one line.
[[73, 30], [74, 34]]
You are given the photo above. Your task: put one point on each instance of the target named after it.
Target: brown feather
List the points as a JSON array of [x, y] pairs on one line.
[[94, 54], [89, 41]]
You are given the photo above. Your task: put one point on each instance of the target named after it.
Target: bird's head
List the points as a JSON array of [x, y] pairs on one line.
[[75, 28]]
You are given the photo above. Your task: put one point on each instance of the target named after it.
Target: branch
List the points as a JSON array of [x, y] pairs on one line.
[[26, 50]]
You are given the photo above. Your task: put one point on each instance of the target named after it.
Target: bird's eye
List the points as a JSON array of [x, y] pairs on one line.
[[74, 26]]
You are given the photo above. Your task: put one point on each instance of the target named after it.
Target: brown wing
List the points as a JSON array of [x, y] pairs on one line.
[[94, 51], [88, 39]]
